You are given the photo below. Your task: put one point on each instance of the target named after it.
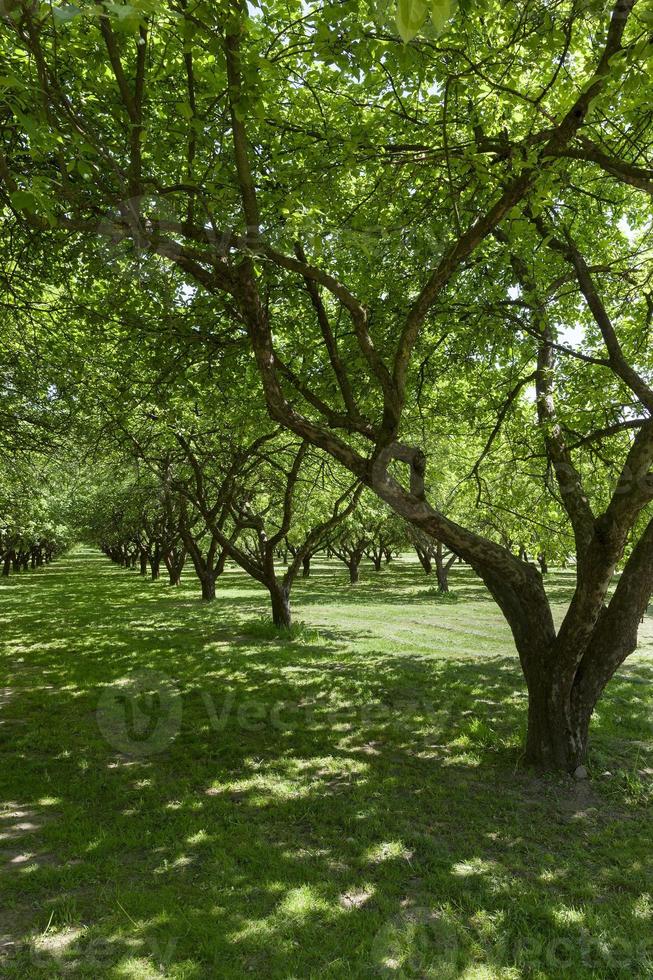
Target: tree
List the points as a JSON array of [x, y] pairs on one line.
[[349, 545], [509, 153], [256, 494], [387, 534], [33, 527]]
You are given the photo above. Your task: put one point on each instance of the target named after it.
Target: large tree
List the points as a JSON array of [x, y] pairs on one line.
[[462, 186]]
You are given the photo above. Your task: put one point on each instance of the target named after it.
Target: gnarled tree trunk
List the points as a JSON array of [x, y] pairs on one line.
[[424, 559], [558, 725], [280, 597]]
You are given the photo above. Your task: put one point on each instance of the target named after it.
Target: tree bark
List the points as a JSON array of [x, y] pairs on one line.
[[352, 565], [424, 559], [174, 562], [441, 570], [558, 726], [306, 566], [207, 581], [280, 606], [442, 576]]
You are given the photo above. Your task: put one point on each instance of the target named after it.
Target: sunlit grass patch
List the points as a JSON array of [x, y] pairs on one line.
[[344, 800]]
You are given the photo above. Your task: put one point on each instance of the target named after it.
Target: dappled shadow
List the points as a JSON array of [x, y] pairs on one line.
[[323, 807]]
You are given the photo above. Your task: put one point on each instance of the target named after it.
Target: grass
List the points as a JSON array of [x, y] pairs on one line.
[[184, 793]]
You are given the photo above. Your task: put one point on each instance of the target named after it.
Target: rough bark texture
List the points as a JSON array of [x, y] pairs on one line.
[[424, 556], [558, 725], [207, 581], [281, 616]]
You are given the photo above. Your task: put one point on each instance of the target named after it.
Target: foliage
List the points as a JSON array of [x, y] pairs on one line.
[[428, 260]]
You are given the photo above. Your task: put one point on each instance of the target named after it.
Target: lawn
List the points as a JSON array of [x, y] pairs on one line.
[[184, 794]]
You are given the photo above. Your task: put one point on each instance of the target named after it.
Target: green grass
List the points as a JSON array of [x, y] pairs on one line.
[[346, 802]]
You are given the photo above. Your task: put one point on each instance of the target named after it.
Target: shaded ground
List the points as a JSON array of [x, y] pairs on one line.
[[346, 804]]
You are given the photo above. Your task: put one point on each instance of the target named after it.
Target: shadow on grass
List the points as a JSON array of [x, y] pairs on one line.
[[311, 812]]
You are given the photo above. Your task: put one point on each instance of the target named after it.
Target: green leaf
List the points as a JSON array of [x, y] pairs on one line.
[[64, 14], [184, 109], [23, 200], [129, 18], [411, 15], [441, 12], [11, 81], [121, 10]]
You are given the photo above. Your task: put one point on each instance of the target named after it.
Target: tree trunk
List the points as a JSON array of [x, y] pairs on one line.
[[280, 607], [558, 725], [6, 568], [306, 566], [207, 581], [155, 566], [377, 558], [544, 568], [442, 576], [424, 560], [174, 562], [143, 562], [441, 570], [352, 565]]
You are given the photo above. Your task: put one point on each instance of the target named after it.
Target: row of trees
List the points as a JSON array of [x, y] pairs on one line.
[[206, 504], [32, 518], [143, 524]]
